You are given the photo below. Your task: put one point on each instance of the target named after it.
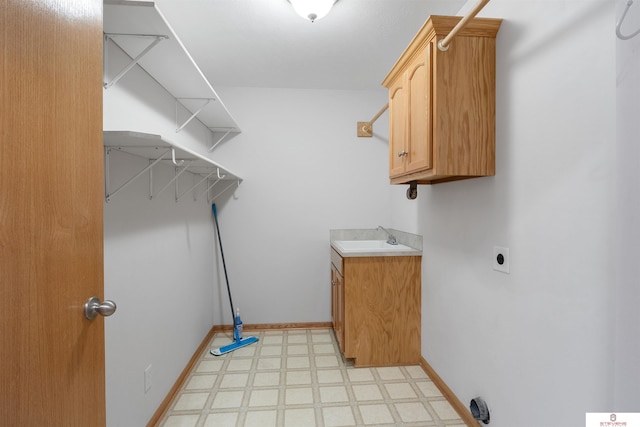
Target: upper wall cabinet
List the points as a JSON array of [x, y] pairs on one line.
[[442, 104], [140, 29]]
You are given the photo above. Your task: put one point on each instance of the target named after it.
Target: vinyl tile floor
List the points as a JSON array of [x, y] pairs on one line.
[[298, 378]]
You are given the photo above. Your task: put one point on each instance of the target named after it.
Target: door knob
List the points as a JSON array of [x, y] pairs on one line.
[[93, 307], [402, 153]]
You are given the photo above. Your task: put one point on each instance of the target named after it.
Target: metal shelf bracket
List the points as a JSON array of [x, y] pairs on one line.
[[108, 195], [179, 171], [213, 147], [109, 36], [193, 116], [178, 197], [223, 190]]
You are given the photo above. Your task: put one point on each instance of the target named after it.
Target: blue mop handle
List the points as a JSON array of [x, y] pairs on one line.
[[224, 264]]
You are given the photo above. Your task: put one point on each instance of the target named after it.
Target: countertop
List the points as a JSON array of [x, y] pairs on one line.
[[412, 241]]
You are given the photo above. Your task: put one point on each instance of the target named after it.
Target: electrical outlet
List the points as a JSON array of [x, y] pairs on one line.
[[501, 259], [147, 379]]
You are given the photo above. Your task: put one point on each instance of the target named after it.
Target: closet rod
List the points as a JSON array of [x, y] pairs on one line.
[[444, 43], [366, 128]]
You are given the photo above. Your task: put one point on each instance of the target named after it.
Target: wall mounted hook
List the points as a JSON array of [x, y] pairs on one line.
[[173, 158], [618, 32]]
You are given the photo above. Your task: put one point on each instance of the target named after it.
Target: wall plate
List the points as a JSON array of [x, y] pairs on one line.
[[501, 259]]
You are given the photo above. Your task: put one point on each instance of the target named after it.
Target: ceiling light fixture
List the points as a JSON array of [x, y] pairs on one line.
[[312, 9]]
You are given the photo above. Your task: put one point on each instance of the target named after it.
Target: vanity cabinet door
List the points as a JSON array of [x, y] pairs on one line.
[[337, 305]]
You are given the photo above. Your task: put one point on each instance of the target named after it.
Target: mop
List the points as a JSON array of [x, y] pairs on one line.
[[238, 341]]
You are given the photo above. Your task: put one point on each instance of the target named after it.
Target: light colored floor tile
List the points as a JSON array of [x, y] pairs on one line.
[[326, 361], [271, 340], [261, 419], [297, 362], [429, 389], [328, 376], [416, 372], [298, 378], [227, 399], [321, 338], [360, 374], [221, 420], [181, 421], [299, 417], [412, 412], [324, 349], [191, 401], [234, 380], [298, 396], [209, 366], [338, 416], [367, 392], [277, 382], [263, 379], [266, 363], [444, 410], [271, 350], [297, 349], [390, 373], [239, 365], [375, 414], [267, 397], [200, 382], [333, 394], [400, 391], [297, 339]]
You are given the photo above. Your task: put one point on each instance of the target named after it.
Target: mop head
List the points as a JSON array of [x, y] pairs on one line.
[[234, 346]]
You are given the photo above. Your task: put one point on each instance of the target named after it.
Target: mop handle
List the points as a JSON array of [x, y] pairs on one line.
[[224, 264]]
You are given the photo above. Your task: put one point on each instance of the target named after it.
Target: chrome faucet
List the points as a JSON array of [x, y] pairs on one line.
[[392, 239]]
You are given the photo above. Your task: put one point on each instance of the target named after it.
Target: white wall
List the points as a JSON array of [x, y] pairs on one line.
[[159, 257], [305, 173], [537, 343], [627, 389]]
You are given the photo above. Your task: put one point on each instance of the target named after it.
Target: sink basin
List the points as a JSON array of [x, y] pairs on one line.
[[369, 246]]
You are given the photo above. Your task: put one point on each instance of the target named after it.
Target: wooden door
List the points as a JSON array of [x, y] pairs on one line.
[[419, 134], [51, 244]]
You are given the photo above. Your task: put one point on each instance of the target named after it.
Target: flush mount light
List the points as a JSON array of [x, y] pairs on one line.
[[312, 9]]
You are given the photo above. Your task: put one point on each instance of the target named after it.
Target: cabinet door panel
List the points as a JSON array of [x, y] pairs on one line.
[[419, 126], [397, 131], [340, 311]]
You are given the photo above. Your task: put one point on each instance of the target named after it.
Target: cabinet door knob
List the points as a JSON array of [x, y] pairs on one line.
[[402, 153]]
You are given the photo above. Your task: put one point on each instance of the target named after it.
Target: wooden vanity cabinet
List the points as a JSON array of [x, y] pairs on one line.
[[337, 303], [442, 104], [376, 308]]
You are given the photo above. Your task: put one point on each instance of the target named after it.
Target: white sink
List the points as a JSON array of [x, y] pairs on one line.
[[369, 246]]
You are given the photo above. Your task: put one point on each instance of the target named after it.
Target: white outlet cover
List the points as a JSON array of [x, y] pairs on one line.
[[504, 267]]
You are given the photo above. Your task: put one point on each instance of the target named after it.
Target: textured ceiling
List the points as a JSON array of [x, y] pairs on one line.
[[263, 43]]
